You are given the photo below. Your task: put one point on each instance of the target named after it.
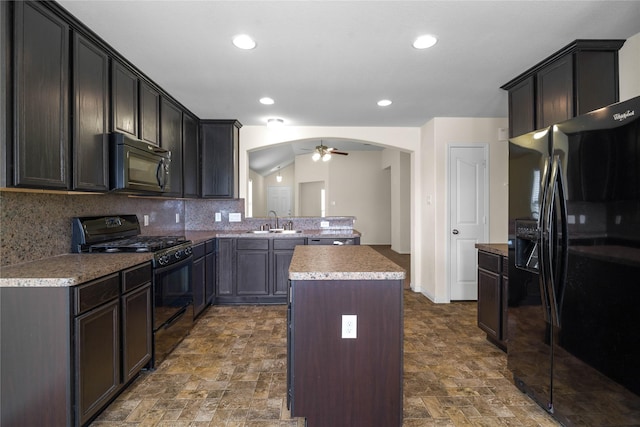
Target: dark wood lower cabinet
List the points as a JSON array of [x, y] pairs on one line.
[[254, 270], [97, 358], [492, 297], [67, 352]]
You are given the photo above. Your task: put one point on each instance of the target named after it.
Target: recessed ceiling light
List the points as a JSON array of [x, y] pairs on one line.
[[266, 101], [275, 122], [425, 41], [243, 41], [384, 102]]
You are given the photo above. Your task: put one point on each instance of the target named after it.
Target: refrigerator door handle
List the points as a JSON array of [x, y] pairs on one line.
[[562, 235], [554, 266], [543, 255]]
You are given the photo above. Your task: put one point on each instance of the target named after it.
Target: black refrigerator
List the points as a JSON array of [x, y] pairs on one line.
[[574, 266]]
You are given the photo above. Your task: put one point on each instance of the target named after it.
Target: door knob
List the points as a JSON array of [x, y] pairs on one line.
[[455, 231]]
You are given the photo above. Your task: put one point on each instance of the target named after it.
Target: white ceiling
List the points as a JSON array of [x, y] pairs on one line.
[[327, 63]]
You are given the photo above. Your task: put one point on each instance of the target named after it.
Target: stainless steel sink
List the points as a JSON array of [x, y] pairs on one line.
[[258, 231], [288, 231], [278, 231]]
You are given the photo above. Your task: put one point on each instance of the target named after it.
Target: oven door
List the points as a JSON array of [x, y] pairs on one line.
[[173, 308]]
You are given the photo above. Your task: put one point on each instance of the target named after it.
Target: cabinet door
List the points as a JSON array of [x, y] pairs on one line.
[[41, 98], [149, 114], [190, 156], [555, 92], [198, 283], [596, 77], [219, 150], [521, 108], [137, 330], [90, 116], [210, 277], [281, 261], [489, 306], [224, 270], [252, 273], [97, 359], [171, 139], [124, 97]]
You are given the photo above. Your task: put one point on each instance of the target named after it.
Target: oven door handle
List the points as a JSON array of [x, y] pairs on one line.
[[179, 264], [175, 318]]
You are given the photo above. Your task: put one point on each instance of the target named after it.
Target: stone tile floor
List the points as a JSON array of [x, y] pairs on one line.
[[231, 371]]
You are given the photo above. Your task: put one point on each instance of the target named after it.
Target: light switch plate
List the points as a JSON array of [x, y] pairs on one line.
[[324, 224], [235, 217]]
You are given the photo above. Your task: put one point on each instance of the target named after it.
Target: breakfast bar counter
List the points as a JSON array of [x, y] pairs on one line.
[[344, 344]]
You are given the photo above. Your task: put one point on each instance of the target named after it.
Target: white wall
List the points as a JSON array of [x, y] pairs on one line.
[[359, 186], [399, 165], [437, 135], [629, 68]]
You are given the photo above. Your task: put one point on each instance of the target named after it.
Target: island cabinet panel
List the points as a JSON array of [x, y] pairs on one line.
[[41, 52], [342, 382]]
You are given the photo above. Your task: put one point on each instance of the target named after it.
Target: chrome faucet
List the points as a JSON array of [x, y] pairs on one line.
[[276, 217]]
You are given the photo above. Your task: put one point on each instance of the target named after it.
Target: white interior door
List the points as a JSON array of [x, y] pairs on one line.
[[279, 200], [468, 222]]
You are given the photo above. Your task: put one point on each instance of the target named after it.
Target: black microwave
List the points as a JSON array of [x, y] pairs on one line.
[[137, 166]]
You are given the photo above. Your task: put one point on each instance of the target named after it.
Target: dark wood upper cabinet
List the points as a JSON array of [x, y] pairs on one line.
[[190, 156], [41, 106], [579, 78], [124, 92], [149, 114], [219, 142], [90, 116], [171, 139]]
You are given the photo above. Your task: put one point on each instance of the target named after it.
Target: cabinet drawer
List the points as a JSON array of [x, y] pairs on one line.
[[136, 276], [505, 266], [198, 250], [287, 243], [489, 261], [260, 244], [93, 294]]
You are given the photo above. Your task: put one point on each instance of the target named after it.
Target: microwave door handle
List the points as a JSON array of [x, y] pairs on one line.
[[160, 174]]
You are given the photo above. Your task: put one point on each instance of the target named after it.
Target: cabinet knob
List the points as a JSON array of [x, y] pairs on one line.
[[455, 231]]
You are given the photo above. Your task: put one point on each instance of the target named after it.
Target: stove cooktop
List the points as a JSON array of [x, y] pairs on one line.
[[139, 244]]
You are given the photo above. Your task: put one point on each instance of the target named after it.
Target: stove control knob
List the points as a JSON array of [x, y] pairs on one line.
[[178, 254]]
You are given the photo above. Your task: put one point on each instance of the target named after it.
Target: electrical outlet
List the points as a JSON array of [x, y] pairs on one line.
[[218, 216], [177, 218], [145, 220], [349, 326]]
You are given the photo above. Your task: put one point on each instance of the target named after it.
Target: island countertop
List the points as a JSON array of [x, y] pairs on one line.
[[349, 262]]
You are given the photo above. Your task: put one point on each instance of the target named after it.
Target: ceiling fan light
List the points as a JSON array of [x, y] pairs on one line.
[[326, 157], [272, 123], [316, 156]]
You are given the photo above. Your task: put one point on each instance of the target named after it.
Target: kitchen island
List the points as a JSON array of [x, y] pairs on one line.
[[345, 337]]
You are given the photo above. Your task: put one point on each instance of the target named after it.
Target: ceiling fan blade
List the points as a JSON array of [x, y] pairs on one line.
[[340, 152]]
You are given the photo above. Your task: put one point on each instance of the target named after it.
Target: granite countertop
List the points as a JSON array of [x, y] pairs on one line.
[[351, 262], [494, 248], [68, 270], [201, 236]]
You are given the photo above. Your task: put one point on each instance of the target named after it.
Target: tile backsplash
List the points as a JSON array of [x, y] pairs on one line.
[[38, 225]]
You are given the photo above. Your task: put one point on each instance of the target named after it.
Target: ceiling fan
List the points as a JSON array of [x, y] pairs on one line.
[[323, 152]]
